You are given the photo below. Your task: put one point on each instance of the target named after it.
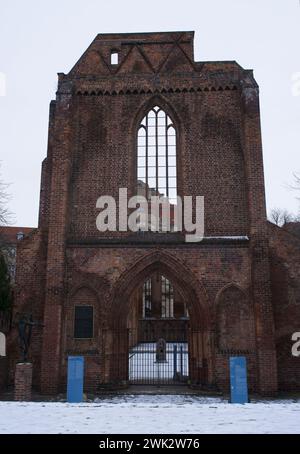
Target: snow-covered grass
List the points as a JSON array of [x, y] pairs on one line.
[[151, 414]]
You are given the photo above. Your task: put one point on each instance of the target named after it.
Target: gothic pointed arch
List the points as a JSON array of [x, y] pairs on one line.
[[191, 289], [162, 102]]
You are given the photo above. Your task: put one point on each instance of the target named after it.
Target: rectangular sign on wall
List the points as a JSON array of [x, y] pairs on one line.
[[75, 378], [238, 380]]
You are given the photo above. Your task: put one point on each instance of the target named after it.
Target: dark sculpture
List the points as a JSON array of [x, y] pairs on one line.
[[25, 325], [161, 351]]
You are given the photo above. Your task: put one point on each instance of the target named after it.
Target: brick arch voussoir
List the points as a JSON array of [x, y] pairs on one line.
[[96, 284], [230, 285], [191, 289], [84, 286]]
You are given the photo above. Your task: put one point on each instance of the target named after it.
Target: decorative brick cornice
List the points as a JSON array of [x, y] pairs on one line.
[[95, 92]]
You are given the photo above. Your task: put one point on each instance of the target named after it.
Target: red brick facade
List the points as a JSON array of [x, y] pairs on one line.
[[223, 280]]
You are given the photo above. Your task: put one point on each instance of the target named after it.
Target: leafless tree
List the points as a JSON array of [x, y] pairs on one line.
[[5, 213], [281, 217], [296, 184]]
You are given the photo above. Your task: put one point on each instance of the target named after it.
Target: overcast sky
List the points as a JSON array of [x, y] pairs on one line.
[[38, 39]]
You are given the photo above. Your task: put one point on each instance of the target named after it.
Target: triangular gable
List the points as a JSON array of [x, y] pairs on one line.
[[177, 61], [135, 62], [156, 53], [90, 63]]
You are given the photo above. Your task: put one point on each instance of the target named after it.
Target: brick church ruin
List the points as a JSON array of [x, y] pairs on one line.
[[137, 112]]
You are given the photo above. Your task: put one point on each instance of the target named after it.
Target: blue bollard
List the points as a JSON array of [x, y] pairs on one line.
[[75, 379], [238, 380]]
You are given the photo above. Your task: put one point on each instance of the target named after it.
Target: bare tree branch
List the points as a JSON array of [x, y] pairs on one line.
[[280, 217], [5, 213], [296, 185]]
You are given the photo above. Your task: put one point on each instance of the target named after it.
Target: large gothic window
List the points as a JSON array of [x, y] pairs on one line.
[[156, 160]]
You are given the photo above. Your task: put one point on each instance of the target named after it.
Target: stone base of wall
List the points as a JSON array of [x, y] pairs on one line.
[[23, 381]]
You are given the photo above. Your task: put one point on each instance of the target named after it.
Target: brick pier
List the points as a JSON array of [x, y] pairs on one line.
[[23, 381]]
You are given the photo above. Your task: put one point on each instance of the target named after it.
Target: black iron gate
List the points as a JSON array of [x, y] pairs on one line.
[[163, 361], [156, 357]]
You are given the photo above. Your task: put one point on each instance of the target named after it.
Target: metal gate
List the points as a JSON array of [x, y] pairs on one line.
[[132, 356], [147, 367]]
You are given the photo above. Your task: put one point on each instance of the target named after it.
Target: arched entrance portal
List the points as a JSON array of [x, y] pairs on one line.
[[158, 325], [160, 330]]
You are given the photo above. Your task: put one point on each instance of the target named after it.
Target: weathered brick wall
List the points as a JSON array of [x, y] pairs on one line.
[[285, 282], [235, 333], [210, 156], [46, 174], [90, 348]]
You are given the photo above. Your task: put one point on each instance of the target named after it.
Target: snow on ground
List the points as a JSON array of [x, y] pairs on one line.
[[151, 414]]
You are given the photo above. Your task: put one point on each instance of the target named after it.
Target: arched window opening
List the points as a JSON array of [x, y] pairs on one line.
[[160, 299], [156, 156]]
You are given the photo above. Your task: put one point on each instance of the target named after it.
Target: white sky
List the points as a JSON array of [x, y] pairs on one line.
[[39, 39]]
